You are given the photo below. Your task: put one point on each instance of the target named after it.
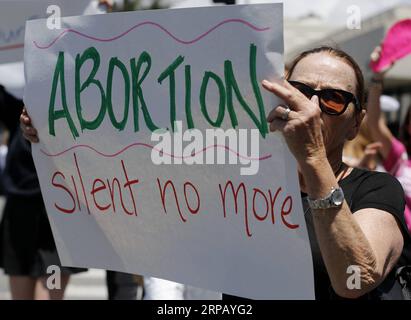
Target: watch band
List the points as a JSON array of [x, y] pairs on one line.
[[333, 200]]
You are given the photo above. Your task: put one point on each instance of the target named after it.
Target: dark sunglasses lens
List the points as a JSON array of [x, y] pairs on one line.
[[305, 90], [333, 101]]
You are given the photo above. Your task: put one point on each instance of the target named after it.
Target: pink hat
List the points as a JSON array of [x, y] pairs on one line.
[[396, 45]]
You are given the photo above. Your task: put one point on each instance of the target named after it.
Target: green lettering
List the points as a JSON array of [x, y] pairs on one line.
[[169, 72], [138, 92], [189, 115], [64, 113], [256, 88], [231, 85], [221, 106], [114, 62], [90, 53]]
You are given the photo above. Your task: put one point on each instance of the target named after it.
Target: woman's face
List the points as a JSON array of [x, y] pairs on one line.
[[324, 71]]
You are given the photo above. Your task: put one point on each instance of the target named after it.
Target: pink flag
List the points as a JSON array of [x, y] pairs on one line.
[[396, 45]]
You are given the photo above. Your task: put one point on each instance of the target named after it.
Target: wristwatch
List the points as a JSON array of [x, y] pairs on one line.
[[334, 200]]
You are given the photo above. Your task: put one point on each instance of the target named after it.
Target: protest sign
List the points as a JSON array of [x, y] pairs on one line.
[[128, 107], [15, 13]]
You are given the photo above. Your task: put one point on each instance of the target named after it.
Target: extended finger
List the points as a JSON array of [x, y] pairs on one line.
[[286, 92]]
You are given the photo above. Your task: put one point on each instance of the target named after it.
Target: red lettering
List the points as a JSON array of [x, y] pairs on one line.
[[193, 211], [163, 196], [111, 191], [82, 184], [61, 186], [287, 212], [272, 203], [235, 193], [128, 184], [75, 189], [258, 191], [98, 186], [95, 190]]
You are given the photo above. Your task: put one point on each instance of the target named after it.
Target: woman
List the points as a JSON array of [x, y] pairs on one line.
[[365, 229], [395, 153], [323, 96]]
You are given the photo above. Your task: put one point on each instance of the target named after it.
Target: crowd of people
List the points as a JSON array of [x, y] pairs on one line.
[[357, 210]]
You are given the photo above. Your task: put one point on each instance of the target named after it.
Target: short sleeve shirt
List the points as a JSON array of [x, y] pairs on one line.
[[363, 189]]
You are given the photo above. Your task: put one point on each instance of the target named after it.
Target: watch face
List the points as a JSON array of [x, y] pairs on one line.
[[338, 197]]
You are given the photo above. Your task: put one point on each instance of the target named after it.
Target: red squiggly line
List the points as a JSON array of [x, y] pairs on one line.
[[154, 24], [151, 147]]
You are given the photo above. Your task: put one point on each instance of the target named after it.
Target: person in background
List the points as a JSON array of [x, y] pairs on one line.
[[361, 152], [124, 286], [394, 152], [9, 125], [27, 246]]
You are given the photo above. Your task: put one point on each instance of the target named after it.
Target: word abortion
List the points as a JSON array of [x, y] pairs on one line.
[[228, 89]]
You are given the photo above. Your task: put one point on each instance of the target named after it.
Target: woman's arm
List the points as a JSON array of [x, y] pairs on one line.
[[345, 239], [376, 124], [369, 239]]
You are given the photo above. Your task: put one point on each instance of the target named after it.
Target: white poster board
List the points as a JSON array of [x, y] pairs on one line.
[[110, 206], [15, 13]]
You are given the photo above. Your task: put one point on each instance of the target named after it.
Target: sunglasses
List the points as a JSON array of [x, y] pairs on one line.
[[333, 102]]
